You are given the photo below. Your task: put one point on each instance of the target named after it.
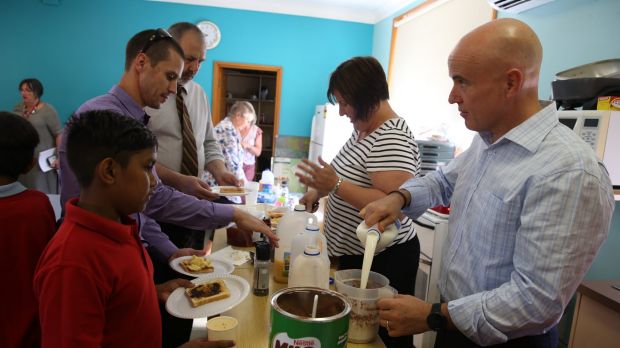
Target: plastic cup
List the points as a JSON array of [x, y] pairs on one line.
[[250, 198], [222, 328], [364, 322]]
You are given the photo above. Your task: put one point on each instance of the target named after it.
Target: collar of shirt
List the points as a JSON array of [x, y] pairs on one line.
[[134, 110], [121, 232], [531, 132], [189, 86], [11, 189]]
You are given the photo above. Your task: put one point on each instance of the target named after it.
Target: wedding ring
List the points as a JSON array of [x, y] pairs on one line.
[[387, 325]]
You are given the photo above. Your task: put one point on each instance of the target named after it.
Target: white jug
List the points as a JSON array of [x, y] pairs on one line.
[[290, 224], [311, 235], [390, 232], [309, 269]]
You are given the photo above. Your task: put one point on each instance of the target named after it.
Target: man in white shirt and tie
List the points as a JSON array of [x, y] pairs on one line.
[[186, 148], [168, 129]]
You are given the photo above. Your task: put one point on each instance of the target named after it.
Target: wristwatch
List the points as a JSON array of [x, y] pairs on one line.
[[435, 320]]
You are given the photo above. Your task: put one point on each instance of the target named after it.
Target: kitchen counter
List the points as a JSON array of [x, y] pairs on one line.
[[253, 312], [597, 315], [603, 292]]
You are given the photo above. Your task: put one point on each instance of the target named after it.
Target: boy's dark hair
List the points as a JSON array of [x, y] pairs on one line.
[[95, 135], [362, 84], [34, 85], [155, 43], [18, 139]]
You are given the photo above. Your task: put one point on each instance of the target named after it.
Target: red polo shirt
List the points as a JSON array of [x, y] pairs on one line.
[[27, 223], [95, 287]]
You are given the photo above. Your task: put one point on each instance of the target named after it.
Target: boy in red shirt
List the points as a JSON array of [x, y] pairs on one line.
[[28, 223], [94, 281]]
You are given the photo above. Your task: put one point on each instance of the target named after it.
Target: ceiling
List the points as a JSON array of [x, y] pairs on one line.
[[363, 11]]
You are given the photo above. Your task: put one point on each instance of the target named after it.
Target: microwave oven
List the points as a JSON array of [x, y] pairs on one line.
[[601, 130]]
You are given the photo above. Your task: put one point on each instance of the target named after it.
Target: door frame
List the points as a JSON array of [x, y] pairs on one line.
[[219, 92]]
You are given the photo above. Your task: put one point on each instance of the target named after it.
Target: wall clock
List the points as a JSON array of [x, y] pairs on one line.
[[211, 32]]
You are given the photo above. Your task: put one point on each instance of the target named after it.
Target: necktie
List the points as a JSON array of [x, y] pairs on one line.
[[145, 119], [189, 160]]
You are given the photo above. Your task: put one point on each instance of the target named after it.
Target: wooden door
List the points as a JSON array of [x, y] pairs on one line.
[[220, 85], [260, 85]]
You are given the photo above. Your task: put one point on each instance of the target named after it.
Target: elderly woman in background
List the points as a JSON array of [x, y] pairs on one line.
[[380, 155], [45, 120], [228, 136], [252, 143]]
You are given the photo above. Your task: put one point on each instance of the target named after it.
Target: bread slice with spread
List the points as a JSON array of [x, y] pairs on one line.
[[197, 265], [207, 292]]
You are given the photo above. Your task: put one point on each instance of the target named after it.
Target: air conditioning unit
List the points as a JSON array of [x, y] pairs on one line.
[[516, 6]]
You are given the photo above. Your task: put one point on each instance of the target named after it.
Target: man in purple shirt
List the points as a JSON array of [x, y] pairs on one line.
[[153, 64]]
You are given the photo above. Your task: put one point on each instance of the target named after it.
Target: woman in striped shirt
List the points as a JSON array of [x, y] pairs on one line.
[[380, 156]]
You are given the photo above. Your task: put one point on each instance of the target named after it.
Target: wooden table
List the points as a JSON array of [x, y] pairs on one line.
[[253, 312]]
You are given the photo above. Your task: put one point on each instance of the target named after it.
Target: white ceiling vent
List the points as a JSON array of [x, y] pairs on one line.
[[516, 6]]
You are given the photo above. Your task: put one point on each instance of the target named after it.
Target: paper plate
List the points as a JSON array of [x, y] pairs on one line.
[[178, 303], [218, 189], [219, 266]]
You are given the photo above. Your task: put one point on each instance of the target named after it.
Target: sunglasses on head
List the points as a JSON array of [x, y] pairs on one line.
[[158, 35]]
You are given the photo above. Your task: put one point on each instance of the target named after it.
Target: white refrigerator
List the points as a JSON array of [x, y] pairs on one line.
[[330, 132]]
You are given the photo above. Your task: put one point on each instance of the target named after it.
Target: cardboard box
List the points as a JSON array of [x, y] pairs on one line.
[[608, 103]]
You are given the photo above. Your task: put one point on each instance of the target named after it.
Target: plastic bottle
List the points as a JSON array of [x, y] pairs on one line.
[[283, 197], [260, 283], [266, 187], [290, 224], [277, 192], [267, 181], [310, 269], [311, 235], [390, 232]]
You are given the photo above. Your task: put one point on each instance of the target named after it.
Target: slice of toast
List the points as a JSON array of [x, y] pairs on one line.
[[232, 189], [197, 265], [207, 292], [275, 217]]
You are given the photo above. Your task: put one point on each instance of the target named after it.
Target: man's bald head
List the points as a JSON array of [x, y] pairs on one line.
[[504, 44], [495, 70]]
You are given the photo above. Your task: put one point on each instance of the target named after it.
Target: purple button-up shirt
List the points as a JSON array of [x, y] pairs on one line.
[[166, 204]]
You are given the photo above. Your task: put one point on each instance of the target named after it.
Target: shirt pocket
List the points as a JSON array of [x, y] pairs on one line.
[[497, 218]]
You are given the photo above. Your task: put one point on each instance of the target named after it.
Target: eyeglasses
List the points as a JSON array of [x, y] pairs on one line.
[[158, 35]]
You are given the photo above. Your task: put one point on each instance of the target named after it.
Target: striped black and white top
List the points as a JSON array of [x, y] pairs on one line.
[[390, 147]]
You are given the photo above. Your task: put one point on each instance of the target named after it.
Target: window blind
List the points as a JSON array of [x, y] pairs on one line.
[[422, 40]]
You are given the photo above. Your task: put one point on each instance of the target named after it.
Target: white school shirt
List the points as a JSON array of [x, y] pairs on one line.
[[164, 123]]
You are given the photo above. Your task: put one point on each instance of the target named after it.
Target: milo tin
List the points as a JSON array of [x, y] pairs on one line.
[[292, 324]]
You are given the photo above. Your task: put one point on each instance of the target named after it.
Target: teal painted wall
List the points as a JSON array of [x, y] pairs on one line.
[[77, 49], [573, 32], [607, 260]]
